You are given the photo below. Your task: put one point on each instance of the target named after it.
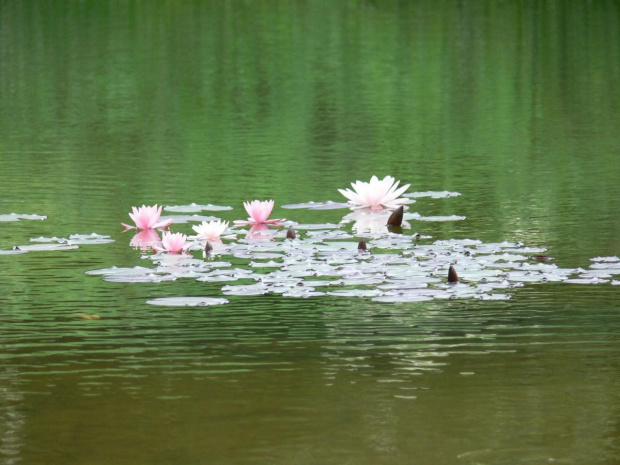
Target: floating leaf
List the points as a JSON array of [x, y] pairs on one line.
[[180, 219], [251, 289], [356, 293], [46, 247], [442, 218], [187, 301], [328, 205], [432, 194], [12, 252], [86, 239], [586, 281], [137, 270], [195, 208], [20, 216], [317, 226], [42, 239], [605, 259], [139, 278], [612, 267]]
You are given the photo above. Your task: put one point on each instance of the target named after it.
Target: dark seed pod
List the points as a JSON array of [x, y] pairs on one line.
[[208, 248], [290, 234], [362, 245], [452, 276], [396, 218]]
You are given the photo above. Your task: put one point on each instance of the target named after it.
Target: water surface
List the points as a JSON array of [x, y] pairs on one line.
[[105, 105]]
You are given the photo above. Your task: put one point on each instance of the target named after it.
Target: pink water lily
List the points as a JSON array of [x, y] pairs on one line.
[[376, 194], [147, 218], [259, 212], [173, 243]]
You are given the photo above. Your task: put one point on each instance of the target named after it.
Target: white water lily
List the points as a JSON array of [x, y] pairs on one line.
[[210, 231], [376, 194]]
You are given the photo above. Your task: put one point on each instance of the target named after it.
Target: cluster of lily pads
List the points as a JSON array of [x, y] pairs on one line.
[[366, 254], [374, 259]]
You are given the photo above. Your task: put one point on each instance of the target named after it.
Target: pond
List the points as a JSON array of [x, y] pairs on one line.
[[501, 116]]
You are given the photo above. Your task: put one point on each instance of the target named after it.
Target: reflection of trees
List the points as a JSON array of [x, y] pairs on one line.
[[11, 419], [368, 337]]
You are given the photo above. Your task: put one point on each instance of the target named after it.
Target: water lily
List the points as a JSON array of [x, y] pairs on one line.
[[376, 194], [259, 212], [147, 218], [173, 243], [210, 231]]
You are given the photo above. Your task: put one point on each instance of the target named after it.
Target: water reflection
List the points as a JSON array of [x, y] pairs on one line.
[[370, 222], [11, 416], [146, 239], [260, 232]]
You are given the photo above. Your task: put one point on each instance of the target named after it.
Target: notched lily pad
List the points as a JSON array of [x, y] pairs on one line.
[[93, 238], [442, 218], [187, 301], [432, 194], [328, 205], [75, 239], [605, 259], [8, 217], [139, 278], [115, 270], [180, 219], [195, 208], [251, 289], [14, 251], [46, 247]]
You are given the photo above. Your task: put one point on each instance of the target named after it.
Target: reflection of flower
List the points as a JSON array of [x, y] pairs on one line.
[[366, 221], [210, 231], [147, 218], [375, 194], [260, 231], [145, 239], [259, 212], [371, 225], [173, 243]]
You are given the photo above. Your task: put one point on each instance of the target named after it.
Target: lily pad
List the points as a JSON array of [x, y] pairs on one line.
[[46, 247], [12, 252], [180, 219], [328, 205], [195, 208], [86, 239], [20, 216], [139, 278], [432, 194], [187, 301], [442, 218]]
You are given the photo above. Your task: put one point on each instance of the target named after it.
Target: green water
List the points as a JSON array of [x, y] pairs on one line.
[[109, 104]]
